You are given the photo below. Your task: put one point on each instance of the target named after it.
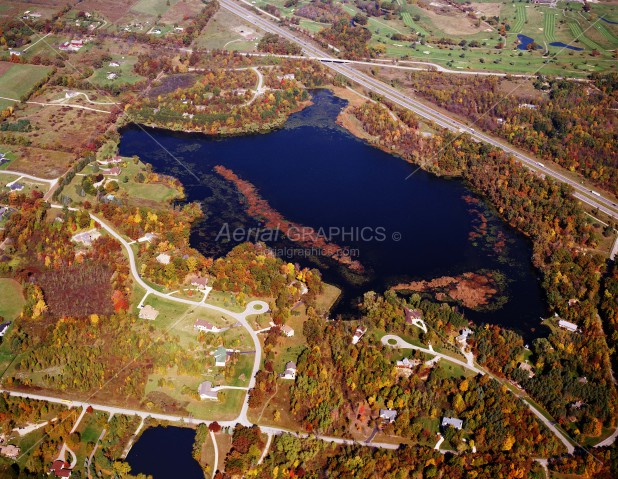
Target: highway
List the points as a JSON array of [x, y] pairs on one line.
[[594, 199]]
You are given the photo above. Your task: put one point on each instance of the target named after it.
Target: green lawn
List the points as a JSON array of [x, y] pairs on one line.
[[125, 72], [11, 299], [578, 35], [19, 79], [549, 26], [520, 18]]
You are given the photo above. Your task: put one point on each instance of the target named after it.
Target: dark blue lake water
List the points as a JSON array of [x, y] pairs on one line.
[[564, 45], [165, 453], [317, 174], [524, 41]]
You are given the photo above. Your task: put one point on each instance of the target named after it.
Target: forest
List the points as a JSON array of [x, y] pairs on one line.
[[571, 123], [290, 456]]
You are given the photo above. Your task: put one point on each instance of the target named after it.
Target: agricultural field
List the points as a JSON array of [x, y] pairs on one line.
[[16, 80]]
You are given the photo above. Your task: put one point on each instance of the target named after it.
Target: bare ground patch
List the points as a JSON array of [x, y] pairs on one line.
[[487, 9], [455, 22], [182, 11]]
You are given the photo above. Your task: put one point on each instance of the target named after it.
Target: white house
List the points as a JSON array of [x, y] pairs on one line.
[[567, 325], [203, 325], [86, 237], [388, 414], [287, 331], [164, 258], [463, 336], [406, 363], [147, 237], [221, 357], [4, 328], [360, 331], [452, 421], [290, 371], [206, 391]]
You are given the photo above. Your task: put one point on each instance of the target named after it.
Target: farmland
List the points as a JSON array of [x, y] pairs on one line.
[[16, 80]]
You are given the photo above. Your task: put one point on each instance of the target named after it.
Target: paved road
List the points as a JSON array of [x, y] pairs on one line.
[[339, 66], [215, 466], [614, 252], [400, 343], [30, 177], [609, 441], [266, 448]]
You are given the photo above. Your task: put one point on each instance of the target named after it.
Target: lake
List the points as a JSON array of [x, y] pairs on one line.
[[317, 174], [165, 453]]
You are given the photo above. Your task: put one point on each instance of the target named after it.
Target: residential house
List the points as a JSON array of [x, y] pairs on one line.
[[463, 335], [148, 312], [72, 46], [359, 333], [406, 363], [86, 237], [10, 451], [200, 282], [203, 325], [287, 331], [414, 317], [164, 258], [17, 53], [114, 64], [115, 171], [4, 328], [290, 371], [388, 414], [16, 186], [111, 75], [4, 211], [221, 357], [452, 421], [567, 325], [147, 237], [60, 468], [206, 391], [528, 368]]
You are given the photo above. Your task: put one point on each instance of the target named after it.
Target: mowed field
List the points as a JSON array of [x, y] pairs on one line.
[[16, 80], [11, 299]]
